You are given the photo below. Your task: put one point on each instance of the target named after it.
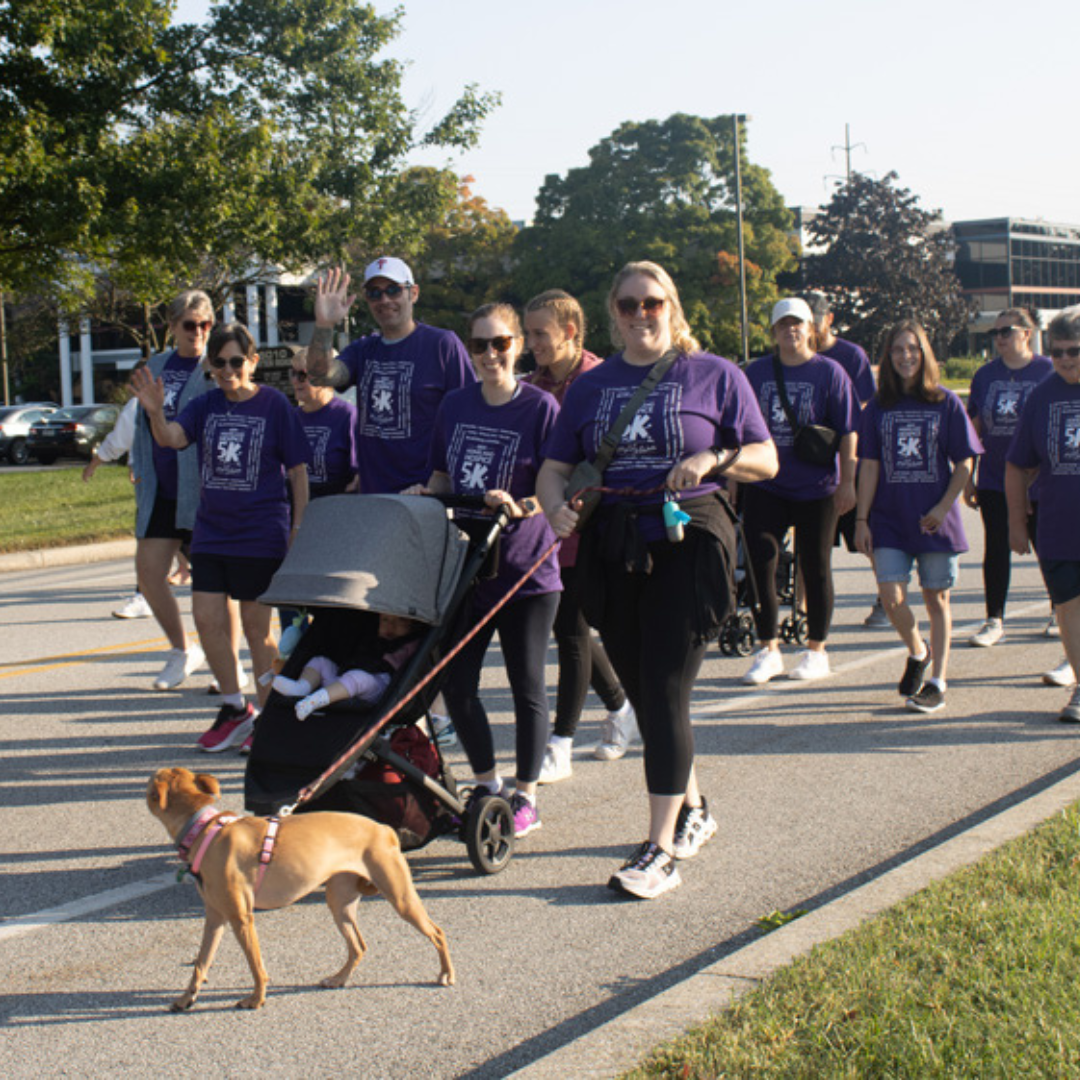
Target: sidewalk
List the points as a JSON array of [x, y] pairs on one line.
[[74, 555]]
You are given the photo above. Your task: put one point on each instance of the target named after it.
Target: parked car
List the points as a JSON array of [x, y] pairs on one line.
[[15, 424], [74, 431]]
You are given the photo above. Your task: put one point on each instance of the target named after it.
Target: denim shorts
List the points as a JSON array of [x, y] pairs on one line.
[[938, 570]]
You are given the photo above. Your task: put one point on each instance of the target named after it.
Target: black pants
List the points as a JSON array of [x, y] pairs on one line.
[[582, 661], [648, 628], [524, 627], [766, 520], [997, 556]]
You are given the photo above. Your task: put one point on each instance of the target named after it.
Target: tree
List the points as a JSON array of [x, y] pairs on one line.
[[665, 191], [885, 258]]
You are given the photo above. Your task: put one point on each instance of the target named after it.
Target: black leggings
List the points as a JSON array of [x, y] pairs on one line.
[[766, 520], [524, 627], [582, 661], [997, 556], [648, 628]]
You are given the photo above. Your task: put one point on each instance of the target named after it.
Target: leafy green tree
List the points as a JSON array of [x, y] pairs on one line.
[[662, 190], [883, 258]]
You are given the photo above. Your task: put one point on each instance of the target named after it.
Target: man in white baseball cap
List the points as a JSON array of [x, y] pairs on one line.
[[401, 373]]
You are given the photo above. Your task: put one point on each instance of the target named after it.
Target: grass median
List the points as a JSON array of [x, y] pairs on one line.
[[975, 976], [57, 508]]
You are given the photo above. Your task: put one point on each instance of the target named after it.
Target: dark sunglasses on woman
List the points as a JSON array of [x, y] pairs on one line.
[[628, 306], [478, 345], [191, 325], [297, 375], [235, 362]]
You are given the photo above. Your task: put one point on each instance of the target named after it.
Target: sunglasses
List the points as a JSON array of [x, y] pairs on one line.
[[1072, 352], [191, 325], [297, 375], [374, 292], [502, 343], [235, 362], [628, 306], [1003, 331]]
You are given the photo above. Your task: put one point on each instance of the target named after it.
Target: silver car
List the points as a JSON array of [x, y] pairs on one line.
[[15, 421]]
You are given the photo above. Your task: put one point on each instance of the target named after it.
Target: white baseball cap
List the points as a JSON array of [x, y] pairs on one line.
[[391, 269], [794, 307]]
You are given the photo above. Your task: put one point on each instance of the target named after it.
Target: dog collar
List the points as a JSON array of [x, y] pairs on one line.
[[194, 825]]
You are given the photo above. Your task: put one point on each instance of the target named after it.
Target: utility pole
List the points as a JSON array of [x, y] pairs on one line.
[[3, 349], [744, 325], [847, 148]]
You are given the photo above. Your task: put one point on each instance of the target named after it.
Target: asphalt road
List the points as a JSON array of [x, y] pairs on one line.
[[817, 787]]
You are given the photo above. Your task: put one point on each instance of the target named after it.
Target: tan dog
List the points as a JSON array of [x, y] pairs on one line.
[[351, 855]]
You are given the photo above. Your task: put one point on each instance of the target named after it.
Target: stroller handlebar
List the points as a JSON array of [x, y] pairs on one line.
[[470, 502]]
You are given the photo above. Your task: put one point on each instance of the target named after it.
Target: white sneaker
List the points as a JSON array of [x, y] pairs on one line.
[[990, 633], [1062, 675], [135, 607], [648, 873], [442, 731], [767, 665], [811, 665], [243, 682], [179, 666], [619, 730], [1051, 627], [557, 765]]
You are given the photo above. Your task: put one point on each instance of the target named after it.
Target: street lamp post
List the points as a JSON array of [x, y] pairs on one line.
[[744, 325]]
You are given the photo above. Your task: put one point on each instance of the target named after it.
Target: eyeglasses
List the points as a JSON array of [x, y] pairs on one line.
[[297, 376], [221, 362], [1003, 331], [628, 306], [478, 345], [374, 292], [191, 325], [1072, 352]]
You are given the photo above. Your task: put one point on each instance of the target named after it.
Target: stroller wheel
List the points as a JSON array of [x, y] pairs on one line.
[[800, 632], [744, 642], [489, 834]]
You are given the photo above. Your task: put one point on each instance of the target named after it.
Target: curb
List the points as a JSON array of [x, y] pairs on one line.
[[620, 1044], [76, 555]]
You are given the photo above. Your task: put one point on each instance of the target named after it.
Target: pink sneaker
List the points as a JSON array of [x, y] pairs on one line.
[[526, 816], [232, 726]]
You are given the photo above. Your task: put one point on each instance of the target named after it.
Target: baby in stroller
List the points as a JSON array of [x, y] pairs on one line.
[[368, 670]]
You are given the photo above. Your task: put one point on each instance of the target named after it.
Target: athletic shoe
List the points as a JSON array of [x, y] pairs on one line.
[[526, 816], [1062, 675], [442, 730], [618, 731], [232, 726], [929, 698], [1051, 628], [694, 828], [767, 665], [135, 607], [812, 665], [877, 617], [914, 672], [990, 633], [179, 666], [557, 764], [1071, 713], [245, 746], [243, 682], [648, 873]]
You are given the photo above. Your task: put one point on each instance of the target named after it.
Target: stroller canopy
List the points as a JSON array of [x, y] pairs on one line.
[[399, 554]]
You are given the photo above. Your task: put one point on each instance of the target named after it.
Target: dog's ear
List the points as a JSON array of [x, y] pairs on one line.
[[207, 784], [159, 788]]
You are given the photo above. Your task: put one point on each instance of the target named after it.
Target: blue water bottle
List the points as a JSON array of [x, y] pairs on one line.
[[674, 519]]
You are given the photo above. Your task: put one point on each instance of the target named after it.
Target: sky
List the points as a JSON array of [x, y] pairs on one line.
[[969, 101]]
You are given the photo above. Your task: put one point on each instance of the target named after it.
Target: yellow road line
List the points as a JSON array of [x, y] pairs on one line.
[[88, 656]]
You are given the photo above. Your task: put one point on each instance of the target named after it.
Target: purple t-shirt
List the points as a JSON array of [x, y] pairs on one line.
[[245, 449], [331, 434], [174, 376], [702, 402], [399, 389], [820, 393], [853, 359], [917, 445], [1048, 439], [482, 447], [996, 400]]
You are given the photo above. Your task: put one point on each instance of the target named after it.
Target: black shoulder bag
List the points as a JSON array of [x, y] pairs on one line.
[[815, 444]]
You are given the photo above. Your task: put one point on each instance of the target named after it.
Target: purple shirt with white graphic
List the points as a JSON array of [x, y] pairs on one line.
[[331, 434], [245, 450], [820, 393], [853, 359], [917, 445], [1048, 439], [399, 388], [996, 400], [174, 376], [702, 402], [484, 447]]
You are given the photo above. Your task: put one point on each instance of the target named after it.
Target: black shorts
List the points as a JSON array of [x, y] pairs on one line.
[[845, 529], [162, 524], [238, 577], [1062, 577]]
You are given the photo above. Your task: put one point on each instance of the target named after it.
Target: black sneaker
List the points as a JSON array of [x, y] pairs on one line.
[[912, 681], [647, 874], [929, 699]]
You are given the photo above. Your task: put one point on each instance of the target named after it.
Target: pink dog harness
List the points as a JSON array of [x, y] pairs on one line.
[[202, 830]]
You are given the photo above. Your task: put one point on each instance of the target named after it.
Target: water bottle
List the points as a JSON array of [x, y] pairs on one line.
[[674, 520]]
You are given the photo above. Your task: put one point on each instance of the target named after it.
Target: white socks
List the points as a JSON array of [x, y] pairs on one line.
[[306, 706]]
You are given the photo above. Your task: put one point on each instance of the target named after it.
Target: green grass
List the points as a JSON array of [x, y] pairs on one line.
[[52, 509], [975, 976]]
